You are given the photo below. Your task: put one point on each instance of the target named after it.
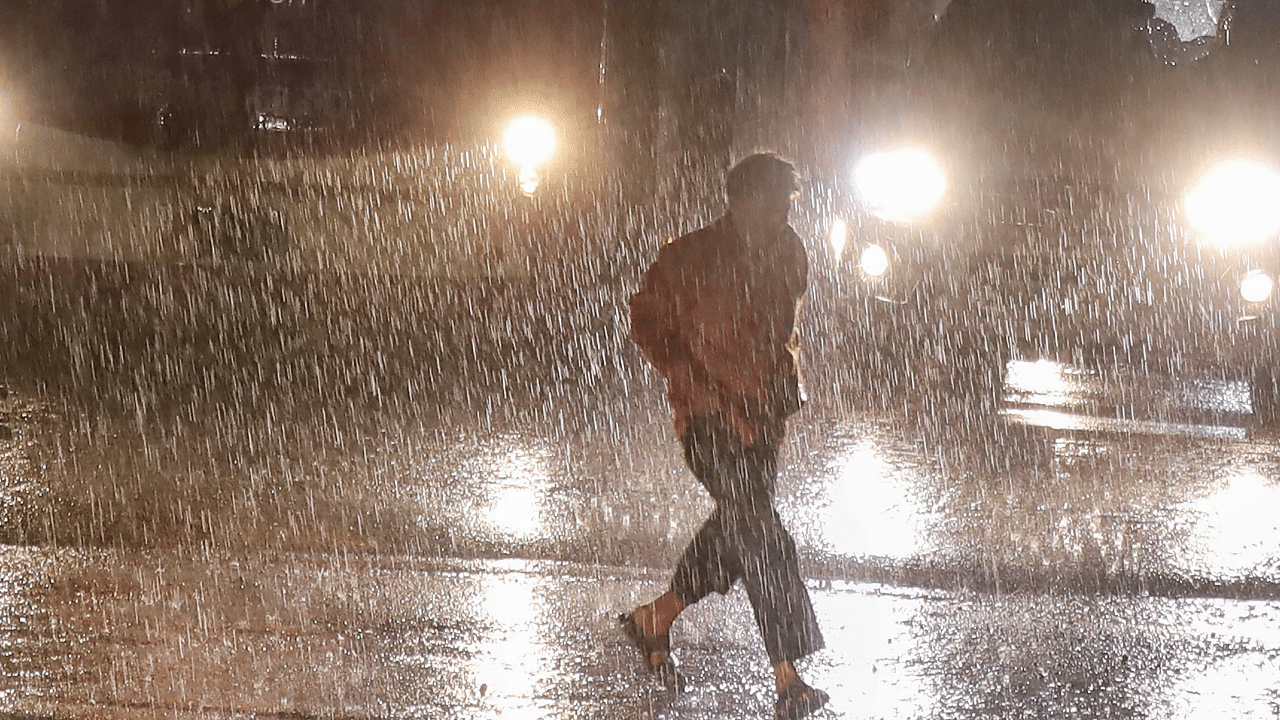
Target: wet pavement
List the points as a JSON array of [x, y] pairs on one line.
[[334, 635], [459, 545]]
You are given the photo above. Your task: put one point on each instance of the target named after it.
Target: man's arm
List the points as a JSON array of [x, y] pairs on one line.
[[655, 317]]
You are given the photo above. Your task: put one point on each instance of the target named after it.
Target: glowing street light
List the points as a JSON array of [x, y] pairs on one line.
[[529, 142]]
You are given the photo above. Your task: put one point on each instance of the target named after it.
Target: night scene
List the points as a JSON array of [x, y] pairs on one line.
[[639, 359]]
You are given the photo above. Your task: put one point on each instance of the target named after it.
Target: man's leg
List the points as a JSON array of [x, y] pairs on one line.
[[747, 540], [771, 575], [707, 564], [704, 567], [779, 598]]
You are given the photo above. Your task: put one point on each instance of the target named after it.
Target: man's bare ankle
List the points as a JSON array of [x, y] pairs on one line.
[[784, 674], [646, 617]]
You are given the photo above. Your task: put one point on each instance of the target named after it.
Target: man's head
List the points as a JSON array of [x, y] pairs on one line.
[[760, 189]]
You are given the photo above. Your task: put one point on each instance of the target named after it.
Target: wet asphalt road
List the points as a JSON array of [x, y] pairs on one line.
[[1102, 548]]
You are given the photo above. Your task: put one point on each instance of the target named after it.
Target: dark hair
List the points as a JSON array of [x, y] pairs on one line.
[[762, 173]]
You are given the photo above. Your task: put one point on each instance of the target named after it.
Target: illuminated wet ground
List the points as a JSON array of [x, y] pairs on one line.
[[334, 635], [1104, 548]]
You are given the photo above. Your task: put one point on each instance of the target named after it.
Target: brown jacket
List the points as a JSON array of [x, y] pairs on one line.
[[718, 321]]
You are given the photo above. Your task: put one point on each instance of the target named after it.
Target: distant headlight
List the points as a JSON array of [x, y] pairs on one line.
[[1256, 287], [1236, 204], [901, 185]]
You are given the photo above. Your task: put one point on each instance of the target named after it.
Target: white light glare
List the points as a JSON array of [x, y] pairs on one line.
[[1237, 203], [874, 261], [1256, 287], [529, 180], [838, 236], [901, 185], [529, 141], [1044, 380]]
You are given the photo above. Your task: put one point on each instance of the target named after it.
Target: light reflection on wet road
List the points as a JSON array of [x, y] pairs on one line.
[[109, 634], [468, 562]]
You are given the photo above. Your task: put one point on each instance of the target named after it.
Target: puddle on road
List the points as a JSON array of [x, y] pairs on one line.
[[869, 508], [1048, 394], [1235, 525]]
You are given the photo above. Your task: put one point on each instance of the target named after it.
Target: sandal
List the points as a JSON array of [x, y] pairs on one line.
[[651, 646], [798, 700]]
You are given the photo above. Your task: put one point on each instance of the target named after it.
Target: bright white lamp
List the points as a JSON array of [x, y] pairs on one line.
[[529, 142], [874, 261], [1236, 204], [901, 185], [1257, 287]]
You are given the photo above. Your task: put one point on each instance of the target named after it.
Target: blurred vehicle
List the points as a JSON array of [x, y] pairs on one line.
[[292, 180], [1067, 180]]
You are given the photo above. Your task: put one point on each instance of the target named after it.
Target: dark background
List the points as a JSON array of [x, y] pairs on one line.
[[200, 73]]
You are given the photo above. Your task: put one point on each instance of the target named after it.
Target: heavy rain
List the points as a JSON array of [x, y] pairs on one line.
[[319, 399]]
